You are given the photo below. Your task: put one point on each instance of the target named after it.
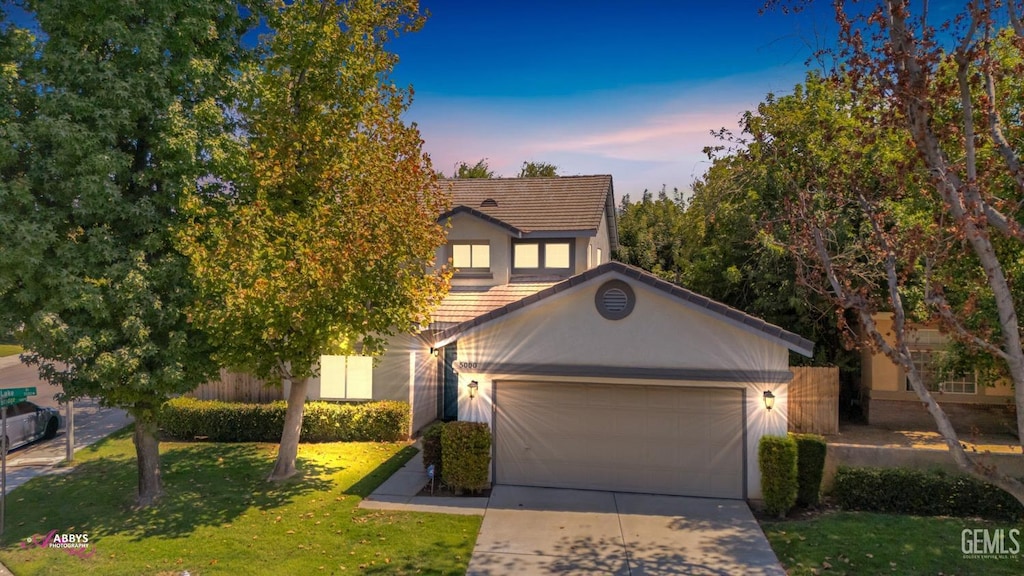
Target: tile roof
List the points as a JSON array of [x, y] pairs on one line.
[[738, 318], [538, 205], [468, 302]]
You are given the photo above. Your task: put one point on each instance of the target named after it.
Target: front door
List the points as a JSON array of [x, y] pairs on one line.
[[450, 388]]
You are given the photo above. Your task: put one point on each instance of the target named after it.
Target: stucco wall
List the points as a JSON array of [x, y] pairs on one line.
[[566, 330], [466, 227], [889, 404], [916, 458], [406, 372]]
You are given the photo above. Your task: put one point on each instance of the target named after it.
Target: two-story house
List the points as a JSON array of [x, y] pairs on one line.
[[591, 374]]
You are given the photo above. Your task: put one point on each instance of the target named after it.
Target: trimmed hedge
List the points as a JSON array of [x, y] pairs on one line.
[[810, 467], [904, 491], [466, 455], [432, 450], [190, 419], [776, 458]]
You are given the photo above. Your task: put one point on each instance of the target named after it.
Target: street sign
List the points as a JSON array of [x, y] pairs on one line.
[[7, 392], [11, 396]]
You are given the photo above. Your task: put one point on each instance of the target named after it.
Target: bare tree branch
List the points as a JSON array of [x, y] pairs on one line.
[[1018, 27], [995, 129], [941, 306]]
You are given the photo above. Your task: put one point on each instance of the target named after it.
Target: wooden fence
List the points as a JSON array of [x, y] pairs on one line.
[[814, 400], [235, 387]]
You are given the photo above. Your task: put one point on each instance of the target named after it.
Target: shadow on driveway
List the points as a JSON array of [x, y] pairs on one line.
[[556, 531]]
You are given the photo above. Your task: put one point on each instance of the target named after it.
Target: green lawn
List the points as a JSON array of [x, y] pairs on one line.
[[864, 543], [9, 350], [218, 516]]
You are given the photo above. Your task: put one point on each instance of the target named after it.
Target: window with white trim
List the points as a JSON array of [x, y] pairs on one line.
[[928, 353]]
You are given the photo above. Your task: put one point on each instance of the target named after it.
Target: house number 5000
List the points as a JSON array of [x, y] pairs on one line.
[[469, 365]]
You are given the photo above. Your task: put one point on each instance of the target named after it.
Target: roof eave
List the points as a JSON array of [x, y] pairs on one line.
[[462, 209]]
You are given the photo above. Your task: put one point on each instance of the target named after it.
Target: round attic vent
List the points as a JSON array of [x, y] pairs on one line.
[[615, 300], [489, 203]]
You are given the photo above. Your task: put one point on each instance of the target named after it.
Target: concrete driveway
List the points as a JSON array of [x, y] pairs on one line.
[[556, 531]]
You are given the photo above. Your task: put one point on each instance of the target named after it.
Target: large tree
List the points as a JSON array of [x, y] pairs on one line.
[[324, 243], [538, 170], [107, 118], [478, 170], [651, 233], [933, 232]]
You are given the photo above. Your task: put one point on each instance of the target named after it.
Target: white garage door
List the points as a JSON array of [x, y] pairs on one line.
[[654, 439]]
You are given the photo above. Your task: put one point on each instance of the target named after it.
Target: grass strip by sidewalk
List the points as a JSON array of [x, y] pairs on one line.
[[841, 543], [219, 516], [9, 350]]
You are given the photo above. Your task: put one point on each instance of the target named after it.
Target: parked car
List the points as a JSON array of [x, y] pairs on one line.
[[27, 423]]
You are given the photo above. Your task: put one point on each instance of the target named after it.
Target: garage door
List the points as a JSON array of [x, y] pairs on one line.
[[654, 439]]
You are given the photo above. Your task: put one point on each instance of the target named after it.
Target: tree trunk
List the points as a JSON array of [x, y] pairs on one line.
[[147, 453], [285, 466]]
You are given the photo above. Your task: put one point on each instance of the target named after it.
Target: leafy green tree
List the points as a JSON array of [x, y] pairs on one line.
[[538, 170], [478, 170], [651, 233], [908, 192], [731, 248], [106, 120], [324, 243]]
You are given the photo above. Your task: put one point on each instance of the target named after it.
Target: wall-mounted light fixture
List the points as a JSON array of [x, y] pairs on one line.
[[769, 400], [473, 387], [434, 351]]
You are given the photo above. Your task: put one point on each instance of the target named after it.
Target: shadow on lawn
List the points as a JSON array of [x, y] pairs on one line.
[[204, 485], [371, 481]]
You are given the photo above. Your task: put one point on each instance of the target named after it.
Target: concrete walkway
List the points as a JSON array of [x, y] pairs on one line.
[[554, 531], [546, 531], [400, 492]]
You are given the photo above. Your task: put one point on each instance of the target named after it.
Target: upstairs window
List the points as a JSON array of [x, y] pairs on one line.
[[472, 256], [542, 257]]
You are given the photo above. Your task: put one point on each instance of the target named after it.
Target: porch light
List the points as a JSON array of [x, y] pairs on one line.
[[473, 387], [769, 400]]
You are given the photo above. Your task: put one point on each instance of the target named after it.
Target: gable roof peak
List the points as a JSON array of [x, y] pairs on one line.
[[563, 204]]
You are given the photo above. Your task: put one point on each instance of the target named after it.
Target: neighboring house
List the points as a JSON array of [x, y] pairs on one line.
[[591, 374], [970, 403]]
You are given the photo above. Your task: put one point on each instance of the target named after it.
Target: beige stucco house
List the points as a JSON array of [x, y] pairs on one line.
[[971, 403], [591, 374]]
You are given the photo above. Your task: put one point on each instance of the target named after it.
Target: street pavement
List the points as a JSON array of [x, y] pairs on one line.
[[92, 424]]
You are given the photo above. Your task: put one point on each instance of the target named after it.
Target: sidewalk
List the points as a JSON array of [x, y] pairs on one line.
[[92, 424], [400, 492]]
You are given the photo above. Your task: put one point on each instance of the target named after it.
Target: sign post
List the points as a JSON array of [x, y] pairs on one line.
[[8, 397]]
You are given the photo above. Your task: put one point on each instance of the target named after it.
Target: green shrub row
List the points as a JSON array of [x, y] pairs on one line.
[[465, 455], [776, 458], [904, 491], [190, 419], [810, 467]]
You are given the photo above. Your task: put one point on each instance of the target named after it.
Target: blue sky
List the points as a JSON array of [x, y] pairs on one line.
[[596, 87], [630, 88]]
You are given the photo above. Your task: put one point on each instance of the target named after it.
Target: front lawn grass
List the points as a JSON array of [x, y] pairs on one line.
[[9, 350], [866, 543], [219, 516]]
